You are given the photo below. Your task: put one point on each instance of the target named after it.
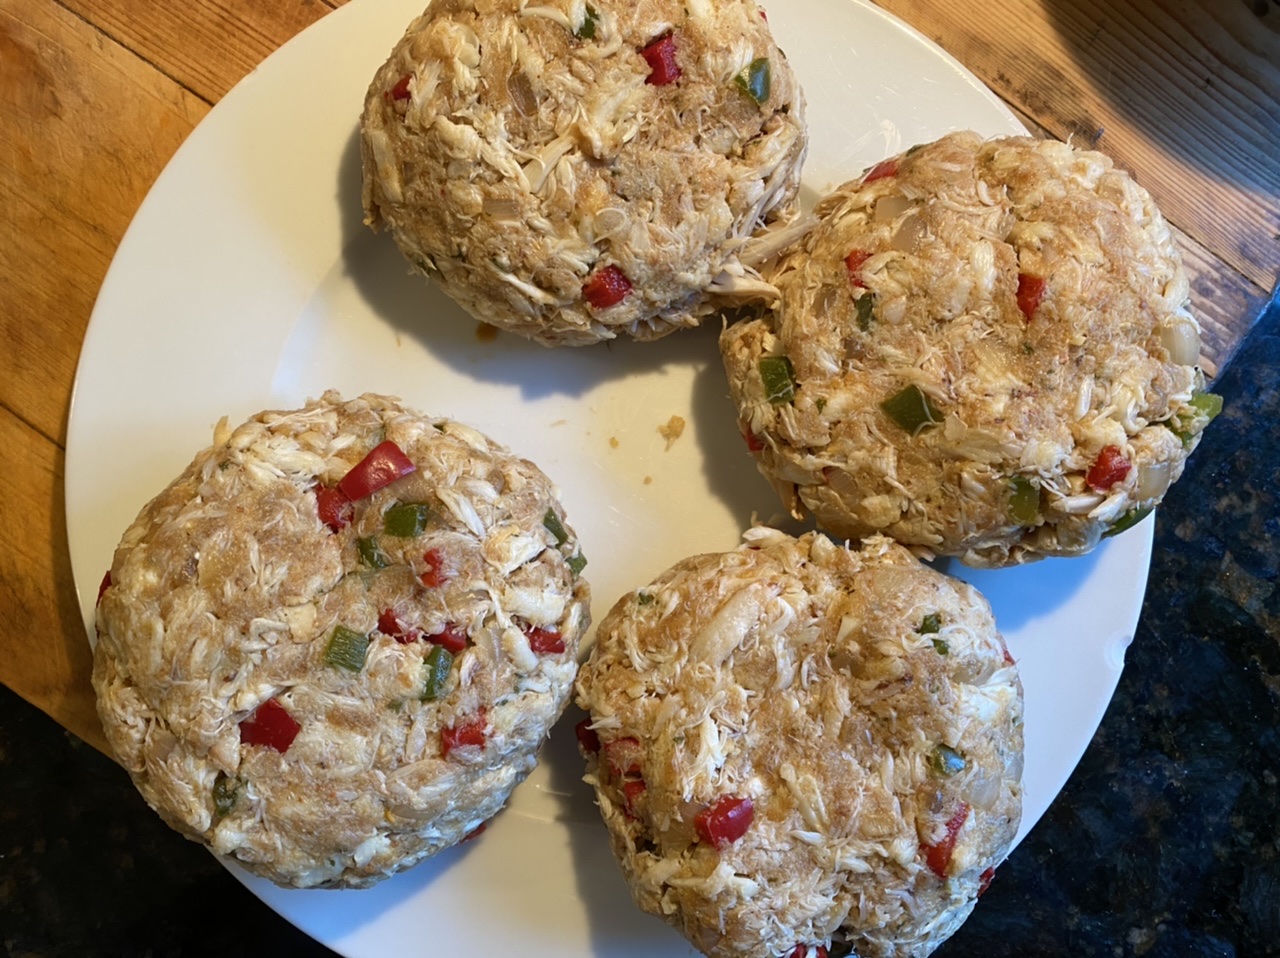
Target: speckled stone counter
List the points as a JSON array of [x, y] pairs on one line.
[[1165, 842]]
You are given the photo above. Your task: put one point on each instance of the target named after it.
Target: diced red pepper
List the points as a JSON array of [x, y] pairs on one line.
[[270, 725], [984, 880], [624, 756], [103, 586], [661, 57], [938, 857], [385, 464], [452, 638], [803, 951], [474, 833], [545, 641], [606, 287], [1109, 468], [436, 574], [1030, 293], [882, 170], [389, 624], [588, 739], [754, 443], [631, 792], [401, 89], [464, 734], [333, 506], [1008, 658], [724, 822], [854, 262]]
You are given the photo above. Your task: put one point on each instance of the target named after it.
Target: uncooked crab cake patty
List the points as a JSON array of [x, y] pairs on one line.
[[334, 644], [574, 171], [799, 744], [982, 350]]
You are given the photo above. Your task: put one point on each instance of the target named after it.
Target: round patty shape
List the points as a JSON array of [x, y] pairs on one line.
[[570, 171], [796, 743], [982, 350], [329, 673]]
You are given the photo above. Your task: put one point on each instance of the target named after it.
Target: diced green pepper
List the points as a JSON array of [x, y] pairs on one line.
[[946, 761], [405, 520], [346, 649], [941, 647], [1024, 500], [576, 563], [778, 379], [371, 553], [435, 672], [930, 623], [1207, 405], [587, 30], [911, 409], [865, 305], [225, 790], [553, 525], [1128, 521], [756, 80]]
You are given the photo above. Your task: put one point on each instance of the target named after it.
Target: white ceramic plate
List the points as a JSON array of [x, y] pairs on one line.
[[246, 281]]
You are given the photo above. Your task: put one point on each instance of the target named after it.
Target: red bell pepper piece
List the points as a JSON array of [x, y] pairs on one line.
[[545, 641], [436, 574], [464, 734], [474, 833], [1030, 293], [401, 89], [389, 624], [938, 857], [724, 822], [270, 725], [631, 792], [753, 441], [385, 463], [103, 586], [802, 951], [453, 638], [854, 263], [984, 880], [333, 507], [1109, 468], [606, 287], [588, 740], [881, 171], [661, 57]]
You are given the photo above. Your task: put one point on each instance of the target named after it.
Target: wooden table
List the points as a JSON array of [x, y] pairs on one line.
[[97, 95]]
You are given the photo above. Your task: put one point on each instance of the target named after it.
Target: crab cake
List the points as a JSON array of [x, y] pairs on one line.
[[335, 643], [798, 744], [982, 350], [573, 171]]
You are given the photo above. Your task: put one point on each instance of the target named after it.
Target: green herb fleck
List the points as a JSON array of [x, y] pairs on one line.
[[866, 306], [587, 29], [225, 791], [576, 563], [346, 649], [930, 623], [435, 672], [911, 409], [644, 598], [946, 761], [778, 379], [756, 80], [553, 525], [1128, 521], [820, 403], [371, 553], [1024, 500], [405, 520], [941, 647]]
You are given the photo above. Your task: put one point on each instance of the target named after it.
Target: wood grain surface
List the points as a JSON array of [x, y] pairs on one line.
[[96, 95]]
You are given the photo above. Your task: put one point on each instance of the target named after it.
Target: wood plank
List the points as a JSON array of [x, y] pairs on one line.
[[207, 46], [71, 177], [47, 657], [1202, 140]]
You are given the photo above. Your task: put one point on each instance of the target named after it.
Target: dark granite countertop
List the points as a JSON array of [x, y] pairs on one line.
[[1165, 843]]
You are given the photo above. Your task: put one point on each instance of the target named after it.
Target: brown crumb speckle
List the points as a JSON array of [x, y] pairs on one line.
[[486, 333], [613, 442], [648, 480], [672, 429]]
